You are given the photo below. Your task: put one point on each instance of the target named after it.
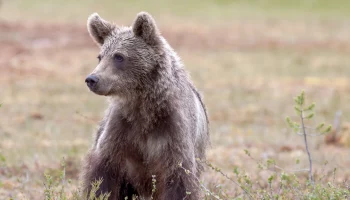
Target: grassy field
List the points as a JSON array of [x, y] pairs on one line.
[[248, 58]]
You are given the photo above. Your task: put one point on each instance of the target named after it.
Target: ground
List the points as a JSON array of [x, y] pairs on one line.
[[248, 59]]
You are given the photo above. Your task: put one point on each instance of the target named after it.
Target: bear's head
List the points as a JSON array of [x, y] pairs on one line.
[[128, 56]]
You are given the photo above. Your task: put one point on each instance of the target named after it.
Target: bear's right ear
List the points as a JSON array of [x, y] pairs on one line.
[[99, 28]]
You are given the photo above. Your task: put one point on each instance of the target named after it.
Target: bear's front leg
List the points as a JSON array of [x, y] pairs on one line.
[[181, 186], [96, 168]]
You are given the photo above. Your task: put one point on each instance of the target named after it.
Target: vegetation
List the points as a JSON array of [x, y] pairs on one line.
[[280, 184], [246, 57]]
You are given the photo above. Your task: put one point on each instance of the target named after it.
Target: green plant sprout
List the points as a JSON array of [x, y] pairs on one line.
[[306, 113]]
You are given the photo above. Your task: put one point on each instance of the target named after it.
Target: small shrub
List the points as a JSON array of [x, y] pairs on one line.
[[54, 188]]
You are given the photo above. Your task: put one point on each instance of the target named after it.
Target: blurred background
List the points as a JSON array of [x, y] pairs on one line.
[[249, 58]]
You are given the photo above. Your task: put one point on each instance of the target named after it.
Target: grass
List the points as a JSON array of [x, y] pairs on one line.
[[247, 58], [212, 10]]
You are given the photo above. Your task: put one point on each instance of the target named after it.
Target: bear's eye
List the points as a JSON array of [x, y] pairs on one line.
[[99, 58], [118, 58]]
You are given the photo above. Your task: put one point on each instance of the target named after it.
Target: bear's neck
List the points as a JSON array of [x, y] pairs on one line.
[[159, 100]]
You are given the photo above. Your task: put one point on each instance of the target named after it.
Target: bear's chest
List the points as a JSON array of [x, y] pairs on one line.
[[129, 138]]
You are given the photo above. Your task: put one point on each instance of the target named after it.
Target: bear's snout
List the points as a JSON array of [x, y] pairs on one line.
[[91, 81]]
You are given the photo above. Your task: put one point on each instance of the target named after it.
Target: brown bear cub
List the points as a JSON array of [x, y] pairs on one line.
[[155, 119]]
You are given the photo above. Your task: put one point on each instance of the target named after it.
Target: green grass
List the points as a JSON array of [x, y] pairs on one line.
[[212, 10]]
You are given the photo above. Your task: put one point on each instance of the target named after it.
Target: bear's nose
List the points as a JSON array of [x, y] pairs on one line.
[[91, 81]]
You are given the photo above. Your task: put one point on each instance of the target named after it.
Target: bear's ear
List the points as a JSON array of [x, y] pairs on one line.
[[145, 27], [99, 28]]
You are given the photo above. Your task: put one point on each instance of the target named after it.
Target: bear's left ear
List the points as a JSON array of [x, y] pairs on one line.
[[99, 28], [145, 27]]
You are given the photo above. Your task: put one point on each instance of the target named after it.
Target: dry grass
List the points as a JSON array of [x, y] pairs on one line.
[[247, 68]]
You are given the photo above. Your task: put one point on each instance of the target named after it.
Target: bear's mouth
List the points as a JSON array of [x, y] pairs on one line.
[[97, 91], [92, 88]]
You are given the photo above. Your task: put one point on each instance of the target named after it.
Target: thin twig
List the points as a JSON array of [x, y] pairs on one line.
[[311, 134], [203, 187], [311, 177], [154, 187], [276, 167], [91, 120], [291, 170], [227, 177]]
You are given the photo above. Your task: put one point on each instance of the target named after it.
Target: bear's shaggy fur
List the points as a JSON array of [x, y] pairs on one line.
[[155, 120]]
